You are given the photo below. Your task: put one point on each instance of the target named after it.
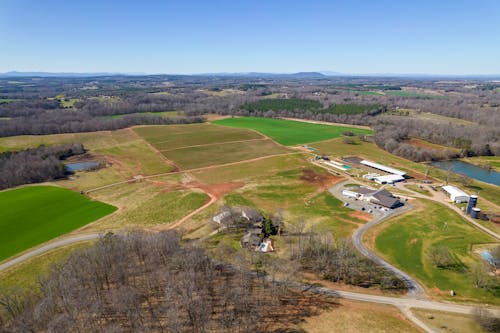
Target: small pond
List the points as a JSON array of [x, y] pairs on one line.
[[470, 170], [81, 166]]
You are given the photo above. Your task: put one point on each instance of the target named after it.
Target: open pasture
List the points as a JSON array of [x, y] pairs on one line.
[[32, 215], [214, 154], [289, 132], [178, 136], [146, 204], [406, 240], [201, 145]]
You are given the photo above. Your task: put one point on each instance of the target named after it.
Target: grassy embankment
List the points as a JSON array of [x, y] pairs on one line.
[[32, 215], [406, 240]]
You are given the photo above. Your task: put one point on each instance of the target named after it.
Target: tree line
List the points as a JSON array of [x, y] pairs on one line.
[[57, 122], [35, 165]]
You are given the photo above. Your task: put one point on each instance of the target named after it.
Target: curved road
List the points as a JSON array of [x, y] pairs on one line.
[[415, 289]]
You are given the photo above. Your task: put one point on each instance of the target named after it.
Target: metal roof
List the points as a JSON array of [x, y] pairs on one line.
[[454, 191], [383, 168]]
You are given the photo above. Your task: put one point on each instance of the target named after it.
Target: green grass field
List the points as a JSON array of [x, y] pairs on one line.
[[288, 132], [32, 215], [410, 94], [405, 241]]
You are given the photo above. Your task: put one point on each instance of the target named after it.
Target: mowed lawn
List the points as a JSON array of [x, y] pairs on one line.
[[289, 132], [200, 145], [406, 240], [32, 215]]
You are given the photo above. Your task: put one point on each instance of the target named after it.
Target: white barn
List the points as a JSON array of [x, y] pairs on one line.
[[383, 168], [456, 194]]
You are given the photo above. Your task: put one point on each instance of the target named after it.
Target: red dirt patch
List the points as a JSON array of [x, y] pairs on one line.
[[361, 215], [322, 180], [217, 190]]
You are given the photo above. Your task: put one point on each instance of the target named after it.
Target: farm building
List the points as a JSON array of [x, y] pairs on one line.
[[351, 194], [383, 168], [456, 194], [380, 197], [387, 179]]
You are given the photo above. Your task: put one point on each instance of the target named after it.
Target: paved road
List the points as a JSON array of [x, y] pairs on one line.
[[46, 248], [415, 290], [451, 206]]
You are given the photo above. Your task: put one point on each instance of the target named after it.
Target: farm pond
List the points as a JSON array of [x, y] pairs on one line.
[[81, 166], [470, 170]]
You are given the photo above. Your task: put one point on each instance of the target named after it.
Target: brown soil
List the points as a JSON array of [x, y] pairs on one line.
[[422, 144], [361, 215], [217, 190], [322, 180]]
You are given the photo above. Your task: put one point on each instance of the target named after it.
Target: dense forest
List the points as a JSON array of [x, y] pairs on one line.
[[35, 165], [463, 115], [144, 282]]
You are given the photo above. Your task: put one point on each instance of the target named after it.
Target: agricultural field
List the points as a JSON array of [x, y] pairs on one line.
[[406, 241], [201, 145], [283, 104], [411, 94], [5, 100], [288, 132], [32, 215], [432, 117], [147, 204], [350, 108], [125, 152]]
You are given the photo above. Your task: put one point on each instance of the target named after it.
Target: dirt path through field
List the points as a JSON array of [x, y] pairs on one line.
[[213, 144]]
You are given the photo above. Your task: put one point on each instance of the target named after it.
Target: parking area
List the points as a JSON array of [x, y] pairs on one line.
[[357, 204]]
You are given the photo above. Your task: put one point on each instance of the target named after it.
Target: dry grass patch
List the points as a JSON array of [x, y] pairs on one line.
[[196, 157], [359, 317], [448, 322]]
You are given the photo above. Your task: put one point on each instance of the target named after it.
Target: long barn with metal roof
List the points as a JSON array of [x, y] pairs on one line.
[[383, 168]]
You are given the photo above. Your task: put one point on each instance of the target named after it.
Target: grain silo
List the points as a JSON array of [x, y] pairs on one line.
[[472, 203]]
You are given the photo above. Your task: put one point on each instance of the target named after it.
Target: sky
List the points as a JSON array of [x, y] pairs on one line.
[[186, 37]]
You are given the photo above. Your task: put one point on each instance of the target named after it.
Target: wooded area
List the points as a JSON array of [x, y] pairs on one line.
[[35, 165], [144, 282]]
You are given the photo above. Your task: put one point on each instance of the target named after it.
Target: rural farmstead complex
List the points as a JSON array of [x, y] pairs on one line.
[[246, 167]]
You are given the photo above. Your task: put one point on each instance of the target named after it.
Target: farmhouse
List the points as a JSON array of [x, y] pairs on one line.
[[456, 194], [383, 168], [380, 197]]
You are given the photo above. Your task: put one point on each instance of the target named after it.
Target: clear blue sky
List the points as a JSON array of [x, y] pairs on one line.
[[350, 36]]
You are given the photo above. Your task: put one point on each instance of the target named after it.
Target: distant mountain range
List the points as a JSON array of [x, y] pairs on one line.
[[298, 75], [62, 74]]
